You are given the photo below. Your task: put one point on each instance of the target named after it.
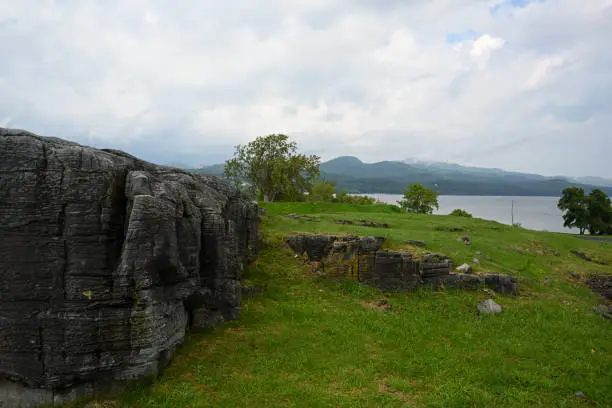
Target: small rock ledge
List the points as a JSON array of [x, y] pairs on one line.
[[361, 259]]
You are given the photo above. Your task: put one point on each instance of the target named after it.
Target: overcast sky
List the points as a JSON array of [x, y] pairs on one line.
[[517, 84]]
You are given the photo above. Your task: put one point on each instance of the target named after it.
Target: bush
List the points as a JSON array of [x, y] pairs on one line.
[[419, 199], [345, 198], [461, 213]]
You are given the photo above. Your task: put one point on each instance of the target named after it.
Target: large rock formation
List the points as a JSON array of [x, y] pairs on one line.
[[105, 262], [361, 259]]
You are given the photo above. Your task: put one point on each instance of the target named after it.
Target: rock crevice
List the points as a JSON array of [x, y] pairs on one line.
[[105, 262]]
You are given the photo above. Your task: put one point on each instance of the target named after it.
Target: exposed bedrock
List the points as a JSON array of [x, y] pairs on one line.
[[106, 261], [362, 259]]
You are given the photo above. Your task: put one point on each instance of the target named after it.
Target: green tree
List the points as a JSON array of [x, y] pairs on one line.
[[271, 165], [599, 212], [322, 190], [574, 205], [419, 199], [460, 213]]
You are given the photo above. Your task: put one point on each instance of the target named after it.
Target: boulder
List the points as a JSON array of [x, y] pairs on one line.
[[489, 307], [106, 261], [500, 283], [465, 268]]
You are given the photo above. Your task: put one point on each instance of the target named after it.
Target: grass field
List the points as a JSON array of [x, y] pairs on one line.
[[307, 342]]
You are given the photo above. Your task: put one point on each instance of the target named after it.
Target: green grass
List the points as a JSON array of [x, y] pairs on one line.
[[309, 342]]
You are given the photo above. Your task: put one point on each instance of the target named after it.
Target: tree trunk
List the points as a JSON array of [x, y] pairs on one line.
[[269, 197]]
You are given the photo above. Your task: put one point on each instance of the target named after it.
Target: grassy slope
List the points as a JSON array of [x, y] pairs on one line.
[[311, 342]]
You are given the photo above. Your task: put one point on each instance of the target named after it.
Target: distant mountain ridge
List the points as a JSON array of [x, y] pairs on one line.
[[596, 181], [393, 177]]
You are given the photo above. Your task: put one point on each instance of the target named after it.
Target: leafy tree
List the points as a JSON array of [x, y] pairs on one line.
[[322, 190], [419, 199], [461, 213], [271, 165], [574, 204], [599, 212]]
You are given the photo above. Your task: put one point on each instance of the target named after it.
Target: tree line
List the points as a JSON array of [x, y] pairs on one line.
[[270, 168]]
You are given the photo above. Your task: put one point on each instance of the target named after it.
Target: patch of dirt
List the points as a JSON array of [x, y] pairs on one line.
[[385, 388], [382, 304], [601, 284]]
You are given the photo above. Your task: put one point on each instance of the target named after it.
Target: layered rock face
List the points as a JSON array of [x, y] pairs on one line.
[[361, 259], [105, 262]]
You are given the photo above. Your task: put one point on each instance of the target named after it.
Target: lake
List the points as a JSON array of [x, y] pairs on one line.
[[537, 213]]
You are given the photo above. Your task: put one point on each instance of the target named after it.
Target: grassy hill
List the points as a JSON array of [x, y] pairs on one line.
[[310, 342]]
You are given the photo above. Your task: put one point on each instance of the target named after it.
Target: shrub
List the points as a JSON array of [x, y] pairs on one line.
[[461, 213]]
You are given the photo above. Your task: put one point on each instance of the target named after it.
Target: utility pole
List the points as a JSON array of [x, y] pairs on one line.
[[512, 212]]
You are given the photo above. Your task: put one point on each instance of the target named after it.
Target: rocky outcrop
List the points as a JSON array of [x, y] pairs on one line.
[[105, 262], [361, 259]]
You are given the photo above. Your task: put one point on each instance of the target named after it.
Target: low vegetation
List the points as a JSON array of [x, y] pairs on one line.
[[309, 342], [460, 213]]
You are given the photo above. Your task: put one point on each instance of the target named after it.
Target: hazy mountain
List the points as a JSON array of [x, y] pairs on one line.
[[598, 181], [214, 170], [393, 177]]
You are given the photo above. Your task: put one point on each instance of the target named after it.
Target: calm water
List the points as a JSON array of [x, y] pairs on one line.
[[537, 213]]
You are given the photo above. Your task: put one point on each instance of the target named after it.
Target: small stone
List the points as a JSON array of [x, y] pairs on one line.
[[489, 307], [604, 310], [575, 275], [465, 268], [476, 260], [466, 240], [580, 394], [478, 252]]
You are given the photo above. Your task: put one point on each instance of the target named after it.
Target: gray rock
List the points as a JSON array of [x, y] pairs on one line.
[[416, 242], [500, 283], [489, 307], [476, 260], [105, 262], [580, 394], [465, 268], [604, 310]]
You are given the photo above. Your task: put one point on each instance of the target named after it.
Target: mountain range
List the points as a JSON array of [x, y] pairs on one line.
[[393, 177]]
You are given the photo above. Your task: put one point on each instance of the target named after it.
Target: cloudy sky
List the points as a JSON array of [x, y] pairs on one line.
[[517, 84]]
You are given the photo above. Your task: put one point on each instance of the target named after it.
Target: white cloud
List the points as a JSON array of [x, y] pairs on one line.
[[373, 79]]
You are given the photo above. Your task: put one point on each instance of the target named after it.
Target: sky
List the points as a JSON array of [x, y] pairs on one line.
[[522, 85]]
